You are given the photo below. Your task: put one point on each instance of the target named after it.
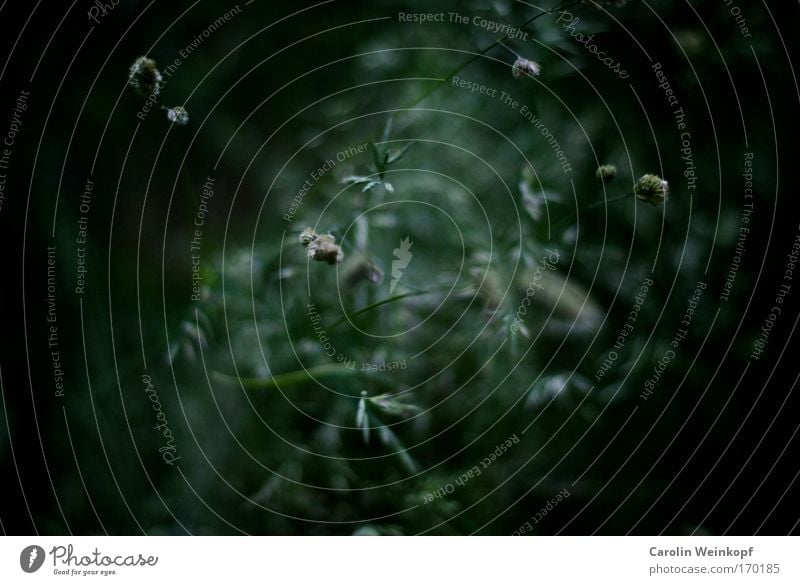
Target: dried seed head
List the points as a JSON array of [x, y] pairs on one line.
[[652, 189], [178, 115], [597, 4], [525, 68], [144, 77], [324, 249], [606, 173]]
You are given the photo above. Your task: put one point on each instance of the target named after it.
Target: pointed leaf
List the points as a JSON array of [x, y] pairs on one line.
[[362, 420], [356, 179], [396, 405]]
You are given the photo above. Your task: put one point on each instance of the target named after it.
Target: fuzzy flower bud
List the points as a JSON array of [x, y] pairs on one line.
[[144, 77], [178, 115], [525, 68], [606, 173], [597, 4], [652, 189]]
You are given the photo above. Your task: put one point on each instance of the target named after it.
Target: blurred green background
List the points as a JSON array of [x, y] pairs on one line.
[[276, 437]]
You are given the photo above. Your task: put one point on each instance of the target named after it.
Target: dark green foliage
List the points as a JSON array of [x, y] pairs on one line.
[[478, 272]]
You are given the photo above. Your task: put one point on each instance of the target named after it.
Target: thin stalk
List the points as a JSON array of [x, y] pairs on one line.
[[594, 205]]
